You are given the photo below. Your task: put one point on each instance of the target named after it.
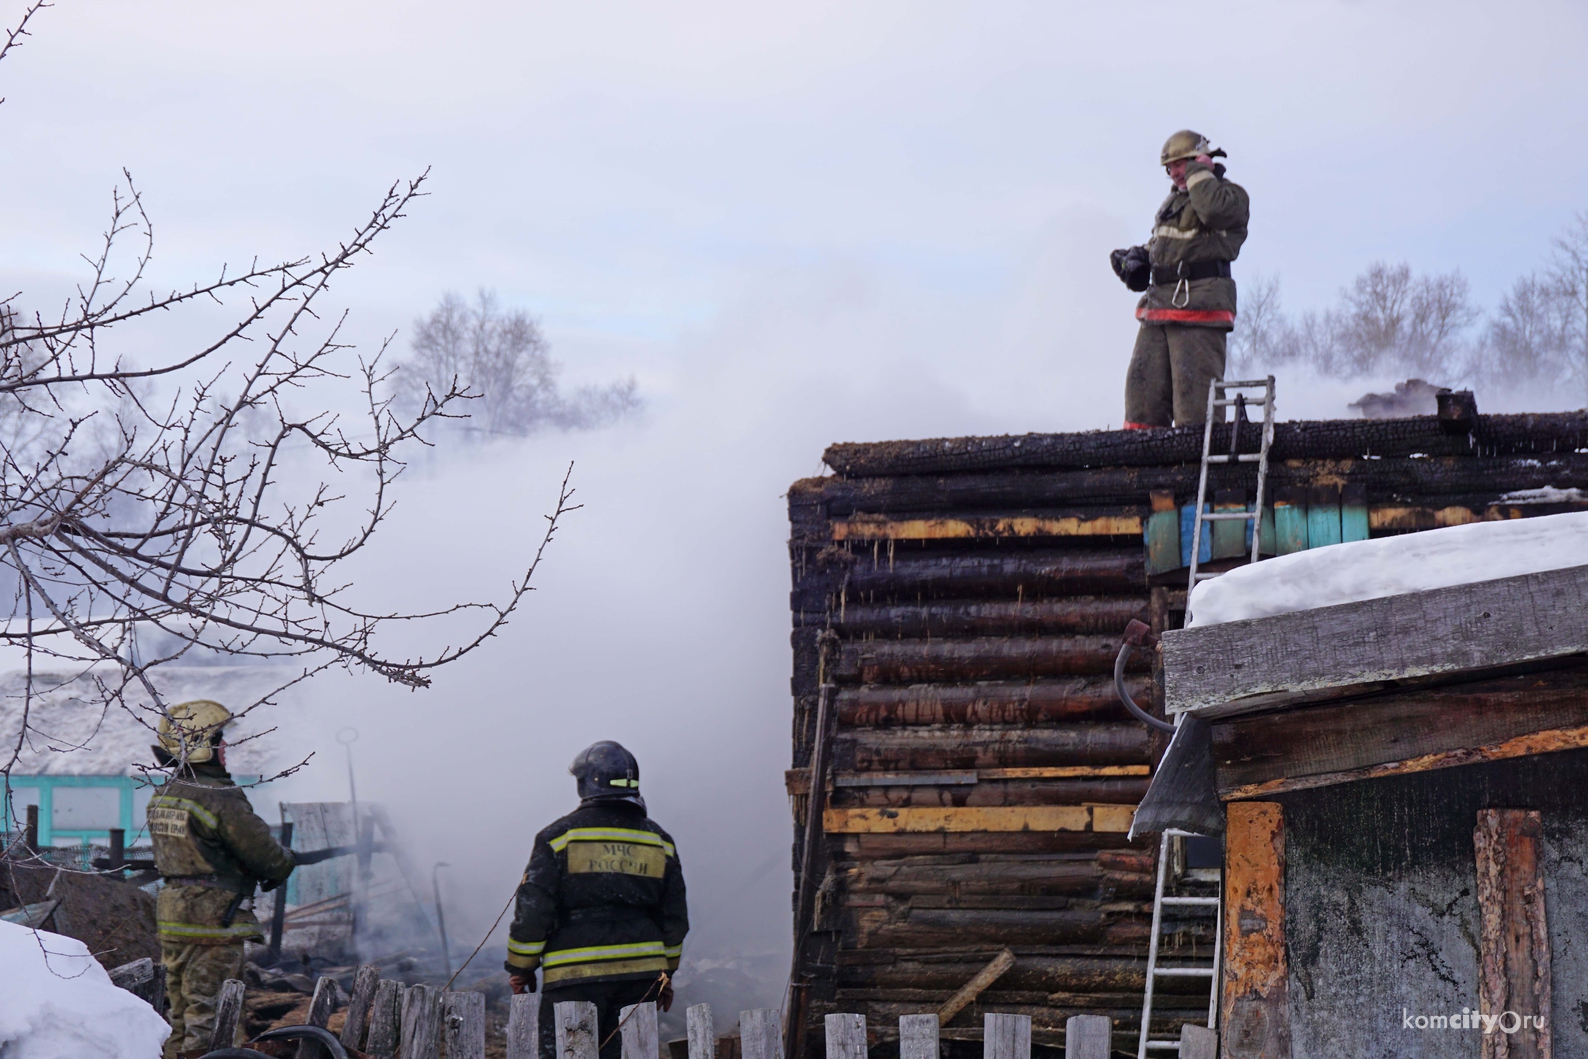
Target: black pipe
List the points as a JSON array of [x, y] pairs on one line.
[[1124, 696]]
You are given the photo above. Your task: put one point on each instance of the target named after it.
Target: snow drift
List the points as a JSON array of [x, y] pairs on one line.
[[1391, 566], [57, 1002]]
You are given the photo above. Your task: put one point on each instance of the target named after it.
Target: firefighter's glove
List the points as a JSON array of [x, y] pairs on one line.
[[665, 997], [1132, 267], [519, 983]]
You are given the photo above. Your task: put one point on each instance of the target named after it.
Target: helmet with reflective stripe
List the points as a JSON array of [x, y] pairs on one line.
[[190, 730], [606, 772], [1183, 144]]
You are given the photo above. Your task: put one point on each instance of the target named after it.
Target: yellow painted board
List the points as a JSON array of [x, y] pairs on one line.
[[926, 819], [924, 529]]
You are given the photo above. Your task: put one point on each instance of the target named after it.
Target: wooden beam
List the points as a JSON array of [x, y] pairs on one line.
[[967, 993], [916, 820], [933, 529], [1513, 934], [1255, 1002], [1240, 666], [798, 781]]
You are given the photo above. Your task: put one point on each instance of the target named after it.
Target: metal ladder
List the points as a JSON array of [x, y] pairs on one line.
[[1218, 400]]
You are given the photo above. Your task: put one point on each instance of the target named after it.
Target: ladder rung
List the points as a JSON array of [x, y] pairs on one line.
[[1183, 972], [1206, 577], [1190, 900], [1164, 1044], [1250, 402], [1226, 516], [1240, 457]]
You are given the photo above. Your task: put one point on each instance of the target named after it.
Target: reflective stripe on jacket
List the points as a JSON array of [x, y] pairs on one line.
[[602, 899], [1205, 222]]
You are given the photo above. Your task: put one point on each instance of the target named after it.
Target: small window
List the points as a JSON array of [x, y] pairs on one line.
[[21, 798], [87, 808]]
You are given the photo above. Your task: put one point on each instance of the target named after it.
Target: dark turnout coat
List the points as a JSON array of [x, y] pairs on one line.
[[1206, 222], [601, 900]]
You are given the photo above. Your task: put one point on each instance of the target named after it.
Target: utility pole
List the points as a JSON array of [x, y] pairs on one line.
[[441, 921]]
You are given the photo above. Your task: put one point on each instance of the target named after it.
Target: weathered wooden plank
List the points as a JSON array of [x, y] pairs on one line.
[[577, 1031], [1025, 702], [1243, 665], [935, 843], [1290, 521], [1074, 614], [463, 1024], [918, 1037], [1109, 790], [639, 1033], [320, 1007], [967, 993], [1433, 727], [987, 527], [982, 658], [385, 1020], [1018, 575], [990, 875], [421, 1023], [1229, 535], [761, 1033], [1323, 516], [1163, 533], [1088, 1037], [366, 980], [1355, 522], [1255, 1003], [989, 746], [228, 1014], [1198, 1042], [1514, 974], [1114, 818], [523, 1027], [1006, 1036], [702, 1033], [846, 1036]]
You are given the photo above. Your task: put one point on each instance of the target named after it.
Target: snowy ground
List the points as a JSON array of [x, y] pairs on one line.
[[1390, 566], [57, 1002]]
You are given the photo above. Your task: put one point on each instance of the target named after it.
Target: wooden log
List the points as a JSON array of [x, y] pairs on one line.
[[1243, 665], [1063, 522], [967, 993], [1513, 935], [1088, 1037], [1114, 818], [882, 847], [228, 1013], [1198, 1042], [463, 1022], [1006, 1036], [761, 1033], [985, 658], [639, 1034], [1124, 790], [918, 1037], [1037, 875], [1255, 1003], [702, 1033], [421, 1023], [988, 746], [1017, 575], [1025, 702], [577, 1030], [925, 927], [944, 972], [523, 1027], [366, 980], [846, 1036], [1102, 615], [320, 1008], [385, 1020], [1302, 440]]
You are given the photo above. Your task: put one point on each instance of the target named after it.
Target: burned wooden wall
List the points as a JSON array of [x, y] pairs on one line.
[[963, 599]]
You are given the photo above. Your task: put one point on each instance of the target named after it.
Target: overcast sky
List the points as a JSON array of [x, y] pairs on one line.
[[793, 225]]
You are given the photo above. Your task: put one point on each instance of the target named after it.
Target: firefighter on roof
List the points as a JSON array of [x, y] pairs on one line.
[[1189, 302], [601, 908], [211, 850]]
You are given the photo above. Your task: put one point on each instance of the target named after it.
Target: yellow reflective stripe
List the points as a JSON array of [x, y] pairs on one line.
[[199, 930], [593, 953], [526, 948], [1198, 177], [523, 963], [674, 951], [611, 834], [602, 970], [166, 801], [1168, 231]]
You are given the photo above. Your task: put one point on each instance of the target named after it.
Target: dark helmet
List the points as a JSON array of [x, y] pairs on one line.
[[607, 772]]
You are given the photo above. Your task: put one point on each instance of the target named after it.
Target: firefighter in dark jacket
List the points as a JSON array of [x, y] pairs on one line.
[[212, 850], [1188, 304], [601, 908]]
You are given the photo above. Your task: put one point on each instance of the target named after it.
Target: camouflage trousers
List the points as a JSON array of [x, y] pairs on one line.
[[1170, 369], [194, 975]]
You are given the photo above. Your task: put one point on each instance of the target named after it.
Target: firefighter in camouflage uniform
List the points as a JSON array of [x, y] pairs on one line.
[[1189, 302], [211, 850], [601, 909]]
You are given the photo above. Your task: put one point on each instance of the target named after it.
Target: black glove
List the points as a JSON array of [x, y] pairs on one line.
[[1132, 267], [267, 885]]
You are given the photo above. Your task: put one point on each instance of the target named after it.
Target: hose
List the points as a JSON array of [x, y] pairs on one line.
[[1124, 696]]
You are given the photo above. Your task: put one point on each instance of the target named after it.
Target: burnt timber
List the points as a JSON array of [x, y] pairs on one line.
[[962, 599]]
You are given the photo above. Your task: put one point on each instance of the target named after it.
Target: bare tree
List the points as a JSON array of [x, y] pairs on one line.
[[1263, 336], [188, 504], [1568, 276], [1528, 340], [1391, 319], [502, 361]]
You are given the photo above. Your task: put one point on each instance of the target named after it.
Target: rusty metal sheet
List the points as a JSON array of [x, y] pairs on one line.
[[1255, 1004], [926, 819]]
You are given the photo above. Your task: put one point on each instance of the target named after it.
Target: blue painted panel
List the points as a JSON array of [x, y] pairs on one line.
[[1188, 518]]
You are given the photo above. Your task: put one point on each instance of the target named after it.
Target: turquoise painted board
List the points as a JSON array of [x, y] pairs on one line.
[[1290, 528], [1353, 513], [1162, 537], [1323, 517], [1188, 530]]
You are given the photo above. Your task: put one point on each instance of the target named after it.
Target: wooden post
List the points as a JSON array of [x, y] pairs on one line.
[[118, 847], [278, 909], [228, 1012], [421, 1027], [576, 1026], [385, 1020], [157, 989], [1513, 935], [917, 1037], [639, 1034], [846, 1036], [1198, 1042], [463, 1019], [359, 1002], [974, 988], [761, 1033], [30, 833], [1006, 1036], [1256, 1003], [1088, 1037], [702, 1034], [320, 1009], [523, 1027]]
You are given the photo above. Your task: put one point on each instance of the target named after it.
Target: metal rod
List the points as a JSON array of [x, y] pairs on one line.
[[1152, 943], [278, 914], [441, 920]]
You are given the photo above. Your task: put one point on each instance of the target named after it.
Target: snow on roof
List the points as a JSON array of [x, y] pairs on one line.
[[1391, 566], [72, 733]]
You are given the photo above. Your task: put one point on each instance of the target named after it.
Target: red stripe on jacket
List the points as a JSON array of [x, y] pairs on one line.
[[1186, 316]]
